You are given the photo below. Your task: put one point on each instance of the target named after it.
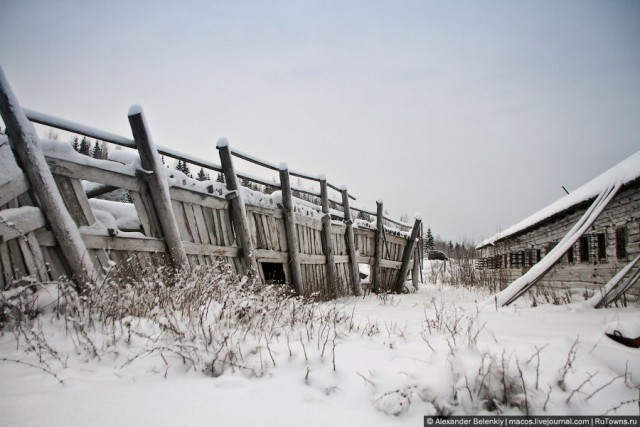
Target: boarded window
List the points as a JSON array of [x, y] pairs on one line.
[[602, 246], [621, 242], [584, 249], [570, 257]]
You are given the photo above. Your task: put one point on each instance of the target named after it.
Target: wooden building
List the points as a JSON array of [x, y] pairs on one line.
[[608, 243]]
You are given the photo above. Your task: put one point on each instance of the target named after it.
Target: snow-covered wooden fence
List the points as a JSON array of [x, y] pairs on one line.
[[52, 223]]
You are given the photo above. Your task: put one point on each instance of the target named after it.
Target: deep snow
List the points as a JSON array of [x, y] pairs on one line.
[[409, 355]]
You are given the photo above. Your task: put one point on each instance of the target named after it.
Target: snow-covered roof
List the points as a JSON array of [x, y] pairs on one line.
[[624, 172]]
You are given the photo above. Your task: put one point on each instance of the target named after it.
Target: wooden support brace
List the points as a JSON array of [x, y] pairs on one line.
[[351, 245], [24, 138], [327, 239], [158, 188], [406, 256], [377, 268], [238, 210], [291, 232]]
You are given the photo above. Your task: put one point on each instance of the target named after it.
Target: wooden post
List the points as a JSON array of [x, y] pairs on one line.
[[377, 269], [327, 238], [415, 271], [24, 139], [351, 245], [290, 228], [406, 255], [238, 210], [158, 187]]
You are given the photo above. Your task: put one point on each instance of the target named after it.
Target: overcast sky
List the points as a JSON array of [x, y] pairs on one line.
[[475, 113]]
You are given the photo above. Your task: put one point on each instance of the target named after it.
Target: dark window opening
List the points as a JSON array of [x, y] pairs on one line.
[[621, 242], [570, 257], [584, 249], [538, 255], [273, 273], [602, 246]]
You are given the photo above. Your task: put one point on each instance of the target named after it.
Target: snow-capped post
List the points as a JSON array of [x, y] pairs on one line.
[[238, 211], [377, 268], [327, 240], [290, 229], [351, 243], [25, 141], [150, 160], [406, 254]]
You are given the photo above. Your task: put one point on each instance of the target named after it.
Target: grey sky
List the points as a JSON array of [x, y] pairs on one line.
[[473, 113]]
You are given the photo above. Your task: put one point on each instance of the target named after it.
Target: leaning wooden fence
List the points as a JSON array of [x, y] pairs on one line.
[[51, 223]]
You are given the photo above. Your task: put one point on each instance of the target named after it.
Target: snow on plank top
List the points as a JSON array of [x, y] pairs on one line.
[[624, 172], [135, 109]]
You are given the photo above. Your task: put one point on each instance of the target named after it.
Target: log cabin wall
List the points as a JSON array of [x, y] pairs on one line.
[[611, 243]]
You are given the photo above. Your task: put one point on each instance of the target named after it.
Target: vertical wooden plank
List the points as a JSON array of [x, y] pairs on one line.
[[79, 211], [191, 222], [5, 263], [200, 223], [209, 222], [158, 187], [34, 247], [181, 221], [144, 209]]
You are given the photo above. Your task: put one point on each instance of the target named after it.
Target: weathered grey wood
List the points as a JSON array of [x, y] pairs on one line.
[[75, 199], [262, 210], [376, 276], [21, 223], [238, 211], [119, 179], [211, 250], [240, 222], [406, 256], [291, 232], [38, 257], [197, 198], [265, 255], [327, 240], [146, 214], [13, 189], [24, 138], [415, 271], [351, 245], [158, 188]]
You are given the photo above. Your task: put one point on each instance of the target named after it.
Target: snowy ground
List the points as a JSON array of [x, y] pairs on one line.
[[402, 357]]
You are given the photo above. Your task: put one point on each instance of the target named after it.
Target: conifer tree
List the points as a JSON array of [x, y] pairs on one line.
[[220, 177], [202, 176], [97, 151], [85, 146], [76, 144], [429, 241]]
